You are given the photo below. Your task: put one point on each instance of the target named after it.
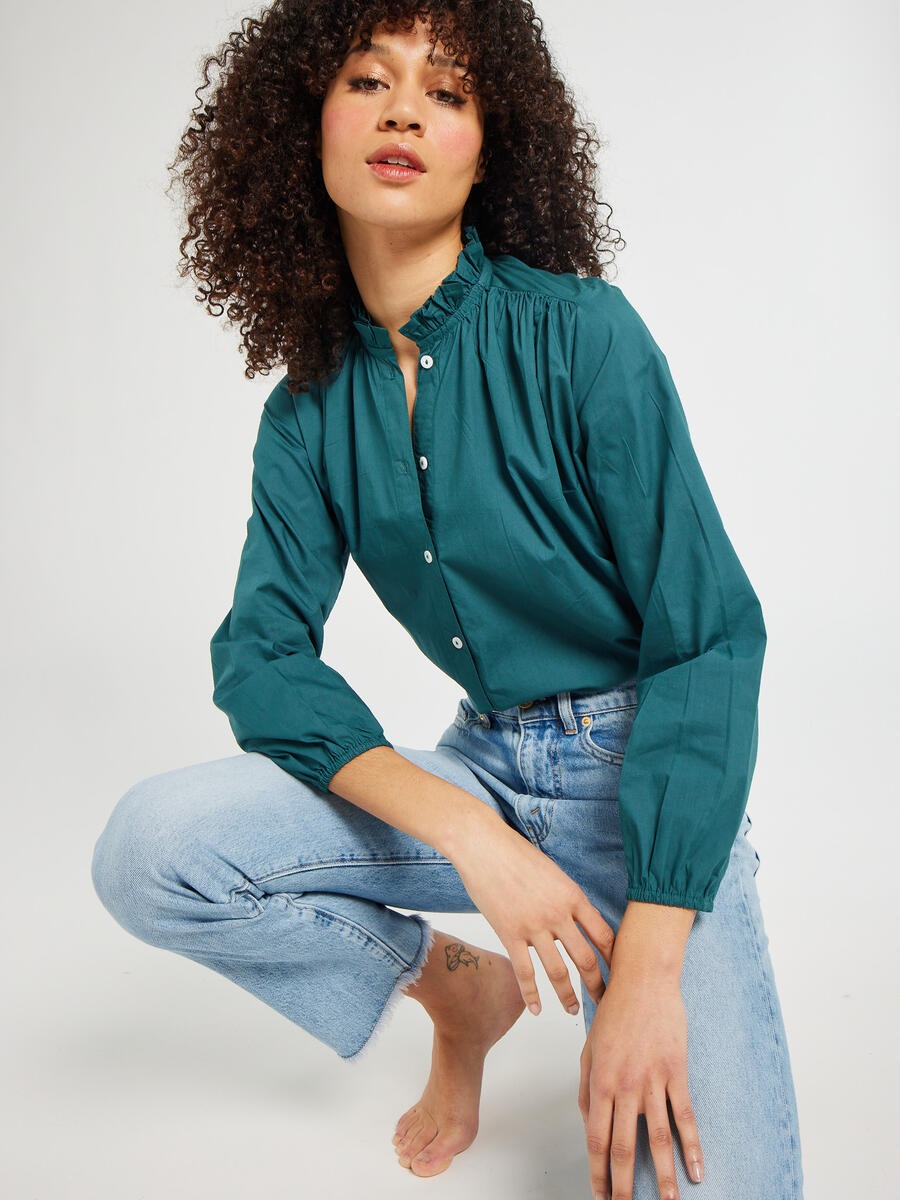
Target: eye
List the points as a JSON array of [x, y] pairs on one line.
[[452, 99], [357, 83]]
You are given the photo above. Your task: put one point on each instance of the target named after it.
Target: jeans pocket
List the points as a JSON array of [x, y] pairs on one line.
[[535, 816], [465, 714], [605, 733]]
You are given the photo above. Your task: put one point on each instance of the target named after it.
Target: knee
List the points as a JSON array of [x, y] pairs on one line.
[[130, 856]]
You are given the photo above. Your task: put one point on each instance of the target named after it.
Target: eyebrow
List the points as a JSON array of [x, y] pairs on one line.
[[440, 60]]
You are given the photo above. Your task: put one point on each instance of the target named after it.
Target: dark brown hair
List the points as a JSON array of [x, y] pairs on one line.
[[262, 238]]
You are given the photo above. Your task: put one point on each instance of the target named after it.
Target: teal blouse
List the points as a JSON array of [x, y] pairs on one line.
[[546, 527]]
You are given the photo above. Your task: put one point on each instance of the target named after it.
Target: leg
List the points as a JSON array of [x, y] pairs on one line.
[[473, 997], [280, 887], [284, 890], [739, 1071]]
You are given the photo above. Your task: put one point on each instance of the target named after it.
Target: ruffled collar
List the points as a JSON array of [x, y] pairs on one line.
[[454, 296]]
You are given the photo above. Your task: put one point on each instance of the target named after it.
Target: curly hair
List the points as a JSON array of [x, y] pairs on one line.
[[262, 235]]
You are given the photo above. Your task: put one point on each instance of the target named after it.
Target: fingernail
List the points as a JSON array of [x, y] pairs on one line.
[[573, 1008], [698, 1174], [535, 1008]]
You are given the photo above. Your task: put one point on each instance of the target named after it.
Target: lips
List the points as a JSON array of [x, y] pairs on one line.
[[397, 150]]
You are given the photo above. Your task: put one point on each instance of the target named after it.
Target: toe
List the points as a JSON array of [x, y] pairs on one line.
[[409, 1133], [404, 1148], [416, 1141], [428, 1163], [436, 1156], [409, 1115], [403, 1124]]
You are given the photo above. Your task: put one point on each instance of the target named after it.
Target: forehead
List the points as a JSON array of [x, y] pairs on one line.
[[402, 43]]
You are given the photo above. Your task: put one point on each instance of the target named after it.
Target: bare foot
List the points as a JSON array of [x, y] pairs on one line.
[[473, 998]]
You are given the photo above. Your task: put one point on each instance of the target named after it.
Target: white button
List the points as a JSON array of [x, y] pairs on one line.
[[428, 556], [426, 361], [457, 642], [423, 461]]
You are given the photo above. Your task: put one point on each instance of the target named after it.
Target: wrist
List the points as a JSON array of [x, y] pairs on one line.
[[651, 941], [468, 823]]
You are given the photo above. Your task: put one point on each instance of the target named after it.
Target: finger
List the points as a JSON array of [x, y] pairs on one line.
[[584, 956], [524, 971], [622, 1145], [556, 969], [662, 1147], [598, 1129], [686, 1123], [584, 1081], [596, 928]]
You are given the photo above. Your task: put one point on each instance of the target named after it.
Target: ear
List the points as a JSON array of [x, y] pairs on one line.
[[480, 170]]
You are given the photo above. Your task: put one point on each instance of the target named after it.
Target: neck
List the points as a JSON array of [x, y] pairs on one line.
[[395, 271]]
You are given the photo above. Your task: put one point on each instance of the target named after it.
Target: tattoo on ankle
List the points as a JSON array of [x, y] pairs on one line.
[[457, 954]]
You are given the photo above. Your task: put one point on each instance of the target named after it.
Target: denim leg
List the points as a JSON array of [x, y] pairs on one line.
[[556, 776], [280, 887], [739, 1069]]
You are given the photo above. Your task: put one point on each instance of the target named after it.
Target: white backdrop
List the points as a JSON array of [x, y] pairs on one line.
[[752, 167]]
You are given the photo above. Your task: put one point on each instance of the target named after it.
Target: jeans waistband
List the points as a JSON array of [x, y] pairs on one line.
[[567, 706]]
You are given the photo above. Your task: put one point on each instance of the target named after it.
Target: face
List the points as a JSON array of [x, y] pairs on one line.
[[393, 95]]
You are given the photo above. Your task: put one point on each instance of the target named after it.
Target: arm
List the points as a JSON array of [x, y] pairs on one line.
[[281, 699], [390, 787], [692, 748], [651, 941]]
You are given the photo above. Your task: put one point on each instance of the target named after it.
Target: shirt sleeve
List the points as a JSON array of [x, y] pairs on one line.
[[280, 698], [692, 748]]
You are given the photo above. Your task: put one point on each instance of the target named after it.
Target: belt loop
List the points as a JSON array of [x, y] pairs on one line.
[[567, 716]]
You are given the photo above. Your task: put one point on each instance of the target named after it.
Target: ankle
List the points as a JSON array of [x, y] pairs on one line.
[[444, 977]]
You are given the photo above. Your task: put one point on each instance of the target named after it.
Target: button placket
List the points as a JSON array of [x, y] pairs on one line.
[[426, 362]]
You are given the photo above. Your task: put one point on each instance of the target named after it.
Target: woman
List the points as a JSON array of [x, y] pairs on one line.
[[537, 519]]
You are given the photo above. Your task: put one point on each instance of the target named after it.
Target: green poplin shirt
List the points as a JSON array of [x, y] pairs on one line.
[[546, 527]]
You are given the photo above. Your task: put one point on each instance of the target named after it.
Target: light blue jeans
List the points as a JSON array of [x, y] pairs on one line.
[[286, 890]]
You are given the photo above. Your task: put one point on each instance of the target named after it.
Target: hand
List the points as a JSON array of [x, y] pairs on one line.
[[636, 1054], [529, 900]]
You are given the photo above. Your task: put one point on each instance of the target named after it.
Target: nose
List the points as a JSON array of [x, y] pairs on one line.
[[401, 109], [393, 122]]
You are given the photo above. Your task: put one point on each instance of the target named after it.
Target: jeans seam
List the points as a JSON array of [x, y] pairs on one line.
[[243, 892], [297, 901], [410, 974], [369, 938], [781, 1051], [363, 861]]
